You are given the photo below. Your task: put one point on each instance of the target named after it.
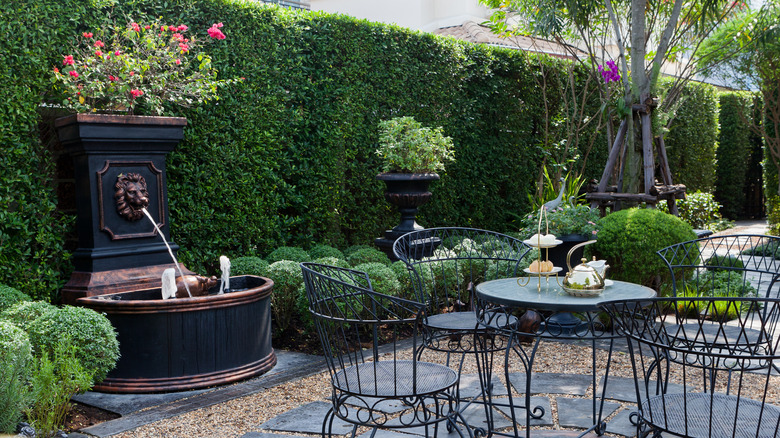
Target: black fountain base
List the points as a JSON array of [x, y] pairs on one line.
[[188, 343]]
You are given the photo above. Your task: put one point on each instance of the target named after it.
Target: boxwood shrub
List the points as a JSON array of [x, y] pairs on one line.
[[10, 296], [248, 265], [15, 361]]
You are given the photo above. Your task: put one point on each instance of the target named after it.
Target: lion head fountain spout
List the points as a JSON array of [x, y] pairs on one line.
[[131, 196]]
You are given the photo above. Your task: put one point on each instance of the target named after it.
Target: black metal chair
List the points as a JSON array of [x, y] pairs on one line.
[[445, 264], [729, 266], [364, 335], [699, 373]]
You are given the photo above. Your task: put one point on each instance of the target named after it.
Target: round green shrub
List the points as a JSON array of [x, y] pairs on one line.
[[698, 209], [383, 278], [25, 313], [288, 253], [248, 265], [332, 261], [629, 239], [724, 261], [354, 248], [442, 279], [368, 255], [453, 241], [10, 296], [320, 251], [15, 360], [404, 280], [288, 279], [90, 332]]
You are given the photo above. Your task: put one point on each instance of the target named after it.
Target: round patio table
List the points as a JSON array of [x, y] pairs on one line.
[[550, 313]]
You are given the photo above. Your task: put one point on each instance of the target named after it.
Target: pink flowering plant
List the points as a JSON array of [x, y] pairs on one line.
[[138, 65]]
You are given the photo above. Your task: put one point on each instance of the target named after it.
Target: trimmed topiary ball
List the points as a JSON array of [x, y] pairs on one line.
[[404, 277], [248, 265], [15, 360], [352, 249], [25, 313], [288, 279], [629, 239], [10, 296], [368, 255], [320, 251], [332, 261], [90, 332], [383, 278], [288, 253]]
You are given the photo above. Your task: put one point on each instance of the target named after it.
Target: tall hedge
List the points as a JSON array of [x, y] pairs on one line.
[[692, 138], [287, 157], [734, 153]]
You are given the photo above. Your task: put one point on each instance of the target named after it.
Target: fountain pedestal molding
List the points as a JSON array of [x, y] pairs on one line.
[[116, 251]]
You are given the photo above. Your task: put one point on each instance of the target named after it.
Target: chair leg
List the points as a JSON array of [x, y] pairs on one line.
[[327, 424]]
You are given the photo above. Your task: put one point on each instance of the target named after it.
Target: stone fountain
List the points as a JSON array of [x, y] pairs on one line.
[[214, 331]]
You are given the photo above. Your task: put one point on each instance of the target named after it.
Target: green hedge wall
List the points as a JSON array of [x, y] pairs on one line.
[[287, 158], [691, 140], [734, 153]]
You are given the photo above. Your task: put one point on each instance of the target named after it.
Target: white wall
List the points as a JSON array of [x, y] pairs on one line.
[[425, 15]]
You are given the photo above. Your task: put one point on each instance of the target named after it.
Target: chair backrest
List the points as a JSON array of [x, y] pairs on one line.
[[444, 264], [727, 266], [712, 374], [352, 320]]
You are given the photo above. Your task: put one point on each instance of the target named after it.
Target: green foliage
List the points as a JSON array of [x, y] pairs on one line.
[[406, 146], [15, 360], [288, 253], [55, 379], [368, 255], [288, 281], [383, 279], [692, 138], [724, 261], [319, 251], [354, 248], [248, 265], [561, 221], [773, 215], [25, 313], [92, 335], [404, 277], [733, 154], [699, 209], [629, 239], [771, 249], [332, 261], [10, 296]]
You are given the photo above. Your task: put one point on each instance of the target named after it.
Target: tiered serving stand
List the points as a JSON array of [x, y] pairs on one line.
[[543, 247]]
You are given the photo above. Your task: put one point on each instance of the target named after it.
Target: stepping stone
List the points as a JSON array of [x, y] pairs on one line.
[[125, 404], [474, 415], [552, 383], [268, 435], [470, 387], [621, 424], [543, 402], [306, 419], [623, 389], [578, 412]]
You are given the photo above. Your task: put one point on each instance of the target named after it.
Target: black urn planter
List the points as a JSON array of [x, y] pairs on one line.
[[557, 255], [406, 191]]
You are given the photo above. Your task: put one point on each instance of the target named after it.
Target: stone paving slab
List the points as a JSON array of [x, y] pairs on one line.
[[578, 412], [306, 419], [623, 389], [540, 401], [470, 386], [268, 435], [552, 383], [620, 424]]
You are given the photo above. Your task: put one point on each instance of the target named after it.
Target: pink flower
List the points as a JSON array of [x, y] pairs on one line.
[[68, 60], [99, 43], [148, 26], [73, 73], [177, 62], [182, 28], [178, 37], [173, 28], [135, 26], [214, 32], [117, 53], [132, 73], [184, 48], [112, 78], [594, 232], [56, 70], [216, 25], [98, 53], [87, 34], [163, 28], [136, 93]]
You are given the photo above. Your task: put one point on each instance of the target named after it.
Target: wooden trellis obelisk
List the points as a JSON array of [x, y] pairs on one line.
[[604, 195]]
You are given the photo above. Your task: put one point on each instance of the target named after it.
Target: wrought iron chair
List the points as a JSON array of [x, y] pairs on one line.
[[699, 374], [352, 321], [730, 266], [444, 266], [725, 266]]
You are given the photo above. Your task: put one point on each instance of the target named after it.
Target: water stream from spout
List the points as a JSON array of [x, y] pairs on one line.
[[175, 262]]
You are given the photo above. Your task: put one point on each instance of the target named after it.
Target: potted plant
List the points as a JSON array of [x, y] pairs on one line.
[[412, 155], [107, 77]]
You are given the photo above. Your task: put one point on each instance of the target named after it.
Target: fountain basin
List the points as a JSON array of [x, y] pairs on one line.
[[188, 343]]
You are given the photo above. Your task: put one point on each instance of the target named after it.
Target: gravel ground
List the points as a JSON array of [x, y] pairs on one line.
[[239, 416]]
